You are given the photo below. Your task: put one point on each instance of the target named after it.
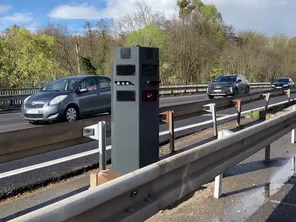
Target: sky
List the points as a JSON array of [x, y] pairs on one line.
[[271, 17]]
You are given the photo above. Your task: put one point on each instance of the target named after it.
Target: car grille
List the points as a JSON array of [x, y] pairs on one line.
[[36, 116], [38, 105]]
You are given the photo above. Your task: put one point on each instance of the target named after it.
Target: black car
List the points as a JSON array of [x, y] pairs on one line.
[[228, 85], [282, 83]]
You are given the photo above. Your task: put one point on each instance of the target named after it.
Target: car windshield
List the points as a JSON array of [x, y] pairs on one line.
[[226, 79], [62, 85], [282, 80]]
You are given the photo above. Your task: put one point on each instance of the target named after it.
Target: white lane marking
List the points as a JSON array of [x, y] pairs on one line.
[[9, 114], [94, 151], [183, 97], [283, 203]]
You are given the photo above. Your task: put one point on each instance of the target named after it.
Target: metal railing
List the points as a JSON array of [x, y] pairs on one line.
[[28, 142], [141, 194], [14, 97]]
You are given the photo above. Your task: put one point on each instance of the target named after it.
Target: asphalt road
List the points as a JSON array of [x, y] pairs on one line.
[[43, 175], [13, 121]]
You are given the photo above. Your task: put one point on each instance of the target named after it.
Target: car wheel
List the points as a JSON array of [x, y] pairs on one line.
[[71, 113], [235, 91], [248, 90], [210, 97]]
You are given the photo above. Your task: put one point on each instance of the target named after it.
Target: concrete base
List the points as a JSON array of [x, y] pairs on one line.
[[102, 177]]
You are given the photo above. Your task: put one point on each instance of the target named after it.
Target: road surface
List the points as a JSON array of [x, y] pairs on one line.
[[46, 174]]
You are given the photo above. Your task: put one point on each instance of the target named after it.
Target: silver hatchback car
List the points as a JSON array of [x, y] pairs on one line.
[[68, 99]]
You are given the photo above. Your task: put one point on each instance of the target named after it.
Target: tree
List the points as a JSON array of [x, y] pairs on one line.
[[26, 58]]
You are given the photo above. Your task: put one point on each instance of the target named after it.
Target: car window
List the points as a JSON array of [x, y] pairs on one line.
[[62, 85], [225, 79], [103, 83], [89, 84], [283, 80]]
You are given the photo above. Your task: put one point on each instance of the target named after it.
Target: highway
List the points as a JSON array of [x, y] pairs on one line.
[[13, 121], [47, 174]]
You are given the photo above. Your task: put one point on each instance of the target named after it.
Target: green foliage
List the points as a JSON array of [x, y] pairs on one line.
[[214, 74], [26, 58], [149, 36], [253, 114]]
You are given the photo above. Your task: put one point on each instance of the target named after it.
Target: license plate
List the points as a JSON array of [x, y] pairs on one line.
[[217, 90], [278, 87], [32, 111]]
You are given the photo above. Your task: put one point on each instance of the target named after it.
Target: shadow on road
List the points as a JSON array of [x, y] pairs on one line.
[[286, 208], [28, 210]]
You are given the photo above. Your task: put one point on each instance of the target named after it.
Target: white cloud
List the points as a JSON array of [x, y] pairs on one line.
[[269, 16], [17, 18], [114, 9], [5, 8]]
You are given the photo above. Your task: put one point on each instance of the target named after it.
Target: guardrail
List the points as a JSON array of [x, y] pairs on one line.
[[15, 97], [19, 144], [141, 194]]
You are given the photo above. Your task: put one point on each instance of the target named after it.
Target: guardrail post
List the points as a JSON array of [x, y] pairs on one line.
[[267, 153], [219, 179], [238, 105], [267, 97], [102, 145], [211, 108], [293, 132], [169, 119], [288, 93], [171, 130]]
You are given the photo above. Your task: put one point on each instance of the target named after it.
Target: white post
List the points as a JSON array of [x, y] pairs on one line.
[[102, 145], [219, 178], [218, 186], [293, 132]]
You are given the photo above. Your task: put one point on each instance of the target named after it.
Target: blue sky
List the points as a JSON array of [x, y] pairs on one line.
[[269, 16], [35, 13]]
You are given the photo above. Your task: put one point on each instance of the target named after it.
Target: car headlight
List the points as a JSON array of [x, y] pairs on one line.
[[273, 85], [26, 99], [57, 99], [230, 88]]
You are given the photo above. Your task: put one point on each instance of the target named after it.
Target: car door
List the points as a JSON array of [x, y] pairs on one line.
[[245, 82], [104, 91], [87, 97]]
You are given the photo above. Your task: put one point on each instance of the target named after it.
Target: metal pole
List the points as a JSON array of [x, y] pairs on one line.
[[102, 145], [171, 130], [267, 153], [293, 133], [214, 120]]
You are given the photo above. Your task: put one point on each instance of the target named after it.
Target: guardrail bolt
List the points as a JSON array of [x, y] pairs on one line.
[[129, 210], [148, 199], [133, 194]]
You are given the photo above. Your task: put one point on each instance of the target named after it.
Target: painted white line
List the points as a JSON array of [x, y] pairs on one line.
[[94, 151], [49, 163], [9, 114], [182, 97], [283, 203]]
